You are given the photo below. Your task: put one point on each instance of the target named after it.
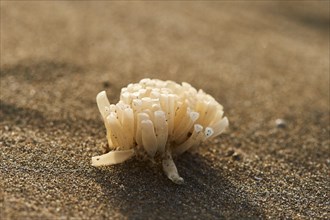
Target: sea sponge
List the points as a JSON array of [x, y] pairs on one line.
[[157, 119]]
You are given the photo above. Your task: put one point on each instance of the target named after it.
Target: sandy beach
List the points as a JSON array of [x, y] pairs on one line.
[[261, 60]]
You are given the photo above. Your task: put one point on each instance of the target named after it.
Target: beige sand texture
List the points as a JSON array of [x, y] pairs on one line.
[[263, 60]]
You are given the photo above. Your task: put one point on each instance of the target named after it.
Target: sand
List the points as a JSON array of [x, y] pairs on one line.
[[261, 60]]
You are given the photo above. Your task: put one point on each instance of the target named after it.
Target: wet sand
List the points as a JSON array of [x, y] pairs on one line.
[[261, 60]]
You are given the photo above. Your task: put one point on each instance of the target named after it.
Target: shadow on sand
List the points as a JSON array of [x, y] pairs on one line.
[[27, 117], [41, 71], [141, 191]]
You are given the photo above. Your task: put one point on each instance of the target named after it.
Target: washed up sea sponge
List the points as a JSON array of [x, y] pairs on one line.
[[157, 120]]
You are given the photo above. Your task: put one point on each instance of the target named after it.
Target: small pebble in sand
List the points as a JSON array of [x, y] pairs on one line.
[[236, 156], [280, 123], [106, 84], [230, 152], [257, 178]]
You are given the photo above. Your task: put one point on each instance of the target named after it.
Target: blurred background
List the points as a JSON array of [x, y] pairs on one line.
[[262, 60]]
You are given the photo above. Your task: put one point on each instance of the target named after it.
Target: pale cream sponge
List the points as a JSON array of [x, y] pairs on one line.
[[158, 119]]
